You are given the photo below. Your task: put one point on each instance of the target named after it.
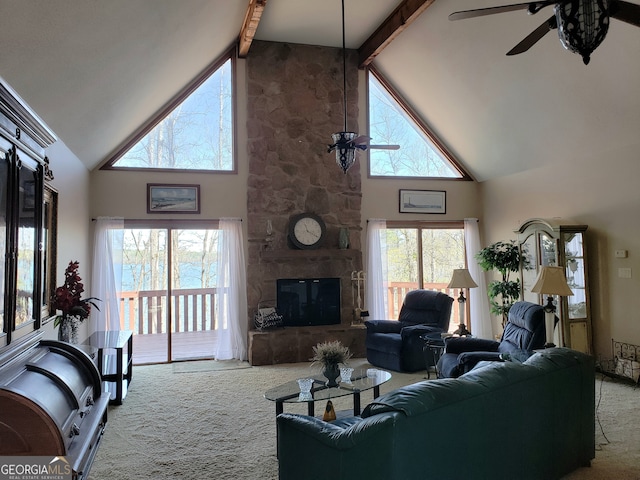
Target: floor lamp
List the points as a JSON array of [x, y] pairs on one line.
[[461, 279], [551, 281]]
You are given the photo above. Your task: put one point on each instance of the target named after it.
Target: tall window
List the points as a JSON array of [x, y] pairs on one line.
[[194, 133], [422, 256], [417, 152]]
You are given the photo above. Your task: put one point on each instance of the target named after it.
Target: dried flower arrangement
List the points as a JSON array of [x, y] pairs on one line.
[[330, 353]]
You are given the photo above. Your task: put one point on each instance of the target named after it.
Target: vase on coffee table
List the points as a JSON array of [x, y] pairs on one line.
[[331, 372]]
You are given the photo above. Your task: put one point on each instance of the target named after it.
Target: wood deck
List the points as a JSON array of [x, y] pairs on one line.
[[153, 348]]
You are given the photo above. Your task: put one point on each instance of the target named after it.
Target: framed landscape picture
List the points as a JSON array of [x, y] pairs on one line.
[[173, 198], [423, 201]]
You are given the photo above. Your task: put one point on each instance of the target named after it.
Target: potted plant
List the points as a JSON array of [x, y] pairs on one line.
[[329, 355], [505, 258], [68, 299]]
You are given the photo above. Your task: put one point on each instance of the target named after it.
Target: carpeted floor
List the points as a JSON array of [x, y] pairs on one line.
[[212, 422], [208, 366]]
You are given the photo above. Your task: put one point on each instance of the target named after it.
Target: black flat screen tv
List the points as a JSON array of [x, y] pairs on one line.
[[308, 301]]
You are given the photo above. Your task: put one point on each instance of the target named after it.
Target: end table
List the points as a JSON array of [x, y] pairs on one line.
[[115, 364], [433, 348]]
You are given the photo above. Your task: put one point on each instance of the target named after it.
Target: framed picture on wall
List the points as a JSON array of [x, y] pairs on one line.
[[173, 198], [423, 201]]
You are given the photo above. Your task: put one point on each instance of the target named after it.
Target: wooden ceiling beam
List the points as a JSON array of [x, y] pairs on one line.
[[250, 26], [395, 23]]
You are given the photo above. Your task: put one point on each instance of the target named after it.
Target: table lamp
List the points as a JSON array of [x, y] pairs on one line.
[[551, 281], [461, 279]]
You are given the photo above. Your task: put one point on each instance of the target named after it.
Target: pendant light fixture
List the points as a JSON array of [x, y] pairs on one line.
[[582, 25], [345, 143]]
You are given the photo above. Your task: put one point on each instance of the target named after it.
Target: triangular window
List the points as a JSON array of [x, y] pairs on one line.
[[412, 150], [195, 132]]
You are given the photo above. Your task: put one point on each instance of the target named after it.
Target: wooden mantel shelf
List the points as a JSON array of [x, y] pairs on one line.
[[278, 255]]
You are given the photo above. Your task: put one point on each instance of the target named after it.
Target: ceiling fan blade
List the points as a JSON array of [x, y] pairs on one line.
[[625, 11], [530, 40], [384, 147], [531, 7], [361, 140]]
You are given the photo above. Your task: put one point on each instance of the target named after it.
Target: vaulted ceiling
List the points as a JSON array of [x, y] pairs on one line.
[[96, 70]]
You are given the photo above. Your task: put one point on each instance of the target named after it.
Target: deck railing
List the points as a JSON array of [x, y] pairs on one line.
[[194, 309]]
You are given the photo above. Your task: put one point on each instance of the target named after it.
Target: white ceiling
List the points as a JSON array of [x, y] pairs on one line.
[[96, 70]]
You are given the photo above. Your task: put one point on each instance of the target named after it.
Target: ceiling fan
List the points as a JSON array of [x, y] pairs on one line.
[[346, 143], [582, 24]]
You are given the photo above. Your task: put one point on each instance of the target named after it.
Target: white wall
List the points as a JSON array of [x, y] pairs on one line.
[[602, 192], [74, 222]]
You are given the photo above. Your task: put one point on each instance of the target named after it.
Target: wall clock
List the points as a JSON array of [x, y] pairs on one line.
[[306, 231]]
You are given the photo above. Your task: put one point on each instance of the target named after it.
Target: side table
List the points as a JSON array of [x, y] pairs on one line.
[[115, 361], [433, 348]]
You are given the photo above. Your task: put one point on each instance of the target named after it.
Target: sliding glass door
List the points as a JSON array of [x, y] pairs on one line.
[[169, 292]]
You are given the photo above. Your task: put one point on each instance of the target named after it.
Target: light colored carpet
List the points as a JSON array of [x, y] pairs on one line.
[[215, 424], [208, 366]]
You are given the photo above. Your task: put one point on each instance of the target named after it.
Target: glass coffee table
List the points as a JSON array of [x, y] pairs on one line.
[[361, 380]]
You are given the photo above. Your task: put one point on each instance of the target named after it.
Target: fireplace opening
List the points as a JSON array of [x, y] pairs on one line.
[[308, 301]]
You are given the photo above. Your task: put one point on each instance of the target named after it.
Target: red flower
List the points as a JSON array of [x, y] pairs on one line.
[[68, 297]]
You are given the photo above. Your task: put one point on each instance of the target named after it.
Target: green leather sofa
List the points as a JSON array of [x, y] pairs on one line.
[[502, 420]]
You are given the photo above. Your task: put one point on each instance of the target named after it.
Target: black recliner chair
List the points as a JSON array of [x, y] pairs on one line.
[[523, 333], [396, 344]]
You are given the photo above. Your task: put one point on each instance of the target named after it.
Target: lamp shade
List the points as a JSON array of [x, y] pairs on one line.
[[551, 281], [461, 279]]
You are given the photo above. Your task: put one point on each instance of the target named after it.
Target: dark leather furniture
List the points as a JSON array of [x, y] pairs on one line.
[[523, 333], [501, 421], [396, 344]]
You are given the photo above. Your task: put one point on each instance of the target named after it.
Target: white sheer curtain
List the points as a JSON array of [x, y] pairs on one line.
[[377, 272], [480, 320], [231, 309], [106, 278]]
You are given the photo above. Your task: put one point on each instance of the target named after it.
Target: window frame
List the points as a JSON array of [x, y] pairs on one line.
[[426, 130], [229, 55], [50, 252]]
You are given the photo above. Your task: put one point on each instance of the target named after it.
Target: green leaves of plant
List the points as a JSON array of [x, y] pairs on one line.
[[505, 258]]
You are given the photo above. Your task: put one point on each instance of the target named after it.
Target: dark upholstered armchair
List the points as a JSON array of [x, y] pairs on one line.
[[396, 344], [523, 333]]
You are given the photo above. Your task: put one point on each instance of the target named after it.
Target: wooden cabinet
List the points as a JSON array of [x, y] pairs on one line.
[[558, 243], [23, 138]]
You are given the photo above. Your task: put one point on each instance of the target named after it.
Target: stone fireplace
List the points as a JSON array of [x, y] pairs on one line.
[[294, 105]]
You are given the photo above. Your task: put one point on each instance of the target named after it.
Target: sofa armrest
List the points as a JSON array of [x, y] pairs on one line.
[[466, 344], [311, 449], [334, 436], [417, 330], [468, 360], [383, 326]]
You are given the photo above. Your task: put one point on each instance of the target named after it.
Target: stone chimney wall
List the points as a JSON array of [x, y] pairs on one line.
[[295, 103]]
